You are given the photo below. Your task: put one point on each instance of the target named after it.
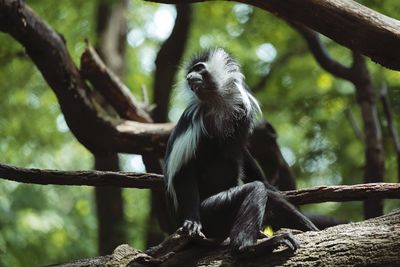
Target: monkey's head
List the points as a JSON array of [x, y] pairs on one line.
[[214, 76], [209, 73]]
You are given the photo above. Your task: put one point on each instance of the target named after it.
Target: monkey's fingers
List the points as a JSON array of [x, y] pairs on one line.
[[193, 229], [288, 240], [267, 245]]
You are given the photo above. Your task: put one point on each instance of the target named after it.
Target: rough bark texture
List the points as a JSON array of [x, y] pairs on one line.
[[375, 242], [347, 22]]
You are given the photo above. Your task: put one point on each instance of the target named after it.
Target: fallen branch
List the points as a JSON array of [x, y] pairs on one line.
[[339, 193], [373, 242]]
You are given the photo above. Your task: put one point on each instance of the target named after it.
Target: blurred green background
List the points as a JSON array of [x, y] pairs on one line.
[[48, 224]]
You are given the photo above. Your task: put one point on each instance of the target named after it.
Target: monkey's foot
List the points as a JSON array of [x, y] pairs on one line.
[[193, 229], [267, 245]]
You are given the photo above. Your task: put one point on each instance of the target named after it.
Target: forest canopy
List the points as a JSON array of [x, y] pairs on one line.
[[316, 115]]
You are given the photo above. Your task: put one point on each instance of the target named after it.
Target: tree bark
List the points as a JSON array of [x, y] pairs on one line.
[[374, 242]]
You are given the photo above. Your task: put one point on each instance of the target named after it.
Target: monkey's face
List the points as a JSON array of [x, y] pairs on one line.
[[200, 80]]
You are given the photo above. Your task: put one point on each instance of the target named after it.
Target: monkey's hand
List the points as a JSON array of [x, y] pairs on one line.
[[193, 228]]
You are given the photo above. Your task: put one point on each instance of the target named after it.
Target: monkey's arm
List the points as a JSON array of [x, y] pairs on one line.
[[188, 201]]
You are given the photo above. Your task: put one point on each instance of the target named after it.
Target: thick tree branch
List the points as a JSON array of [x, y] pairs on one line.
[[96, 131], [340, 193], [111, 87], [373, 242], [47, 50], [347, 22]]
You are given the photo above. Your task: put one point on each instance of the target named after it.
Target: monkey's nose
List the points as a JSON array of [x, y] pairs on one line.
[[194, 77]]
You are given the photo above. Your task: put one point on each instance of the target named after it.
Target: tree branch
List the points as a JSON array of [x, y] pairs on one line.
[[347, 22], [168, 59], [91, 178], [357, 131], [340, 193], [47, 50], [320, 53], [343, 193], [111, 87], [373, 242]]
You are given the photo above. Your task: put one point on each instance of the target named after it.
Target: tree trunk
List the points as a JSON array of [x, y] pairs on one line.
[[111, 33], [374, 156], [110, 209]]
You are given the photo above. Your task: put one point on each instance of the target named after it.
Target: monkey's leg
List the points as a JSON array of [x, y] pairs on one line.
[[237, 213]]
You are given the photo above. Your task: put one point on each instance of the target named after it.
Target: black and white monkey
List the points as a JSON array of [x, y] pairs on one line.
[[214, 184]]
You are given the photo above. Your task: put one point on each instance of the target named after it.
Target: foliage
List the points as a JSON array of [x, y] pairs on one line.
[[47, 224]]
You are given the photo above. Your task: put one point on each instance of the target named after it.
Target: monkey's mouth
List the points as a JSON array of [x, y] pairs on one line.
[[196, 84]]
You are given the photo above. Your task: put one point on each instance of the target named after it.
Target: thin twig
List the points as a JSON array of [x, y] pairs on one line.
[[387, 108], [357, 131]]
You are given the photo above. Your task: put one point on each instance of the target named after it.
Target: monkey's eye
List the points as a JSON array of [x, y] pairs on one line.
[[197, 67]]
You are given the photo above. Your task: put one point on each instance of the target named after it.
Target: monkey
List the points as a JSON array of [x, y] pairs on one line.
[[213, 184]]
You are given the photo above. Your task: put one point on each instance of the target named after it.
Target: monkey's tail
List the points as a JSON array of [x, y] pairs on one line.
[[284, 214]]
